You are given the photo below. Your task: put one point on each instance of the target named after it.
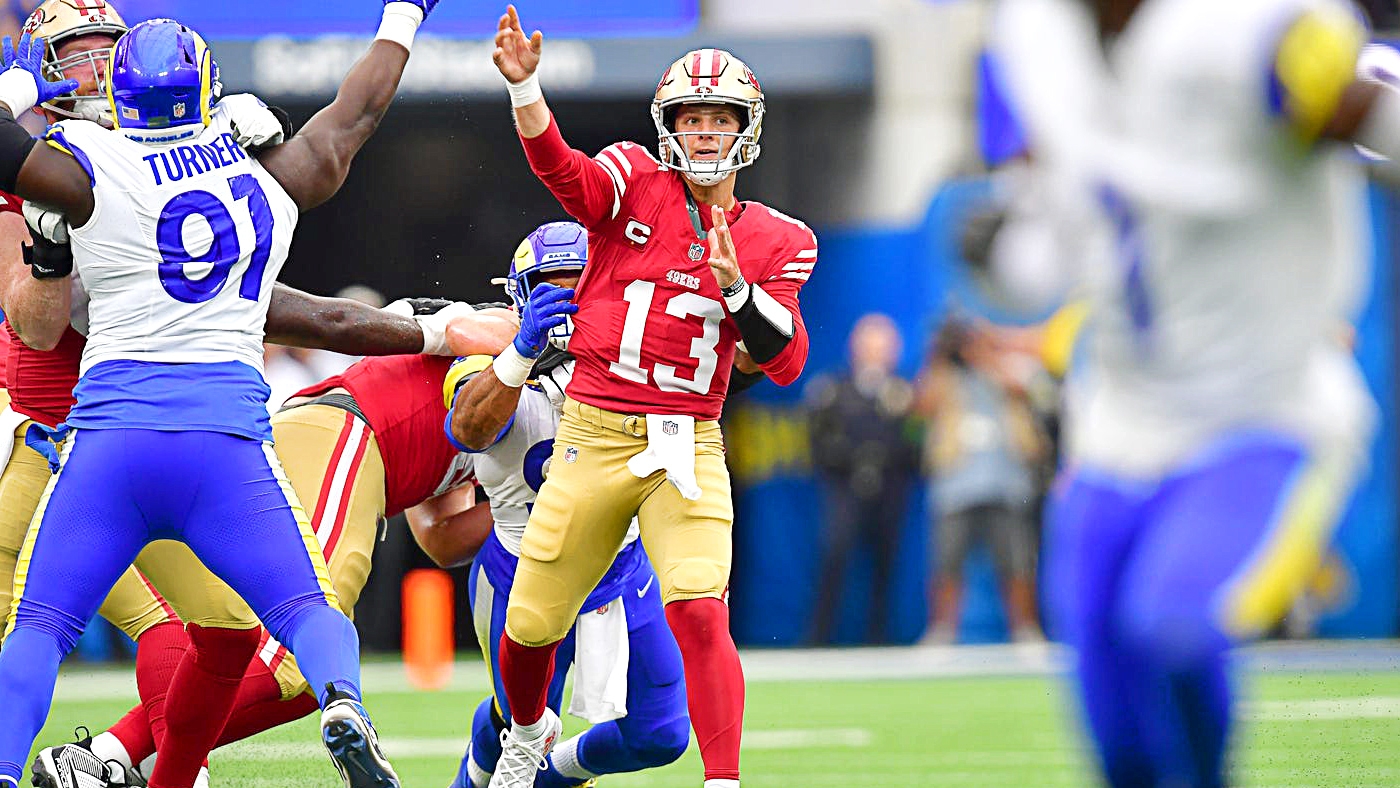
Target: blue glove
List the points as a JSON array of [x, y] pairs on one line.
[[426, 5], [548, 307], [29, 57]]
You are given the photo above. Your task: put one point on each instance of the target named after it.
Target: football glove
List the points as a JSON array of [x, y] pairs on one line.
[[48, 260], [46, 223], [28, 57], [547, 308], [255, 125]]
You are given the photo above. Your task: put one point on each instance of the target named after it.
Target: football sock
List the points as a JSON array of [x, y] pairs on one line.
[[158, 655], [324, 642], [201, 697], [714, 682], [252, 718], [131, 734], [564, 769], [28, 669], [484, 749], [525, 674]]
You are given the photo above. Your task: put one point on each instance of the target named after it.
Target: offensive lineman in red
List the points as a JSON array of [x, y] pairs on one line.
[[680, 273]]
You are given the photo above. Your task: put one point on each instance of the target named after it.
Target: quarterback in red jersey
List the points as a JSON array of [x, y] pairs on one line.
[[681, 277]]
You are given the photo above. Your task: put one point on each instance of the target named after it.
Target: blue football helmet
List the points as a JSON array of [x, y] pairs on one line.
[[162, 76], [551, 248]]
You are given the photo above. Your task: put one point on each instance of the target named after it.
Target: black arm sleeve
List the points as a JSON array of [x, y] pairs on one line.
[[15, 144], [763, 330], [743, 381]]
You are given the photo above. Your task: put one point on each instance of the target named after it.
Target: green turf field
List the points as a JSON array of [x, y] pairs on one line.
[[1301, 729]]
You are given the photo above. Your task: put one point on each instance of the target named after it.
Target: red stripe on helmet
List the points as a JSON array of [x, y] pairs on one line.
[[695, 70], [714, 68]]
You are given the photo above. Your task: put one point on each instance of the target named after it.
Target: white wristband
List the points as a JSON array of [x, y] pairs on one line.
[[434, 335], [738, 300], [400, 23], [511, 368], [526, 91], [18, 90]]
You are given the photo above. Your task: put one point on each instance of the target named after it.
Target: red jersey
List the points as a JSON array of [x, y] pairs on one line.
[[652, 333], [41, 381], [401, 398]]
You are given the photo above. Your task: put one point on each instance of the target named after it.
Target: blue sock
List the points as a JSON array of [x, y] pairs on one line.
[[324, 642], [486, 743], [1109, 686], [630, 744], [28, 669]]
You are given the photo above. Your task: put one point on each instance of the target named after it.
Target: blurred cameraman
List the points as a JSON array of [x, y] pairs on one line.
[[981, 451]]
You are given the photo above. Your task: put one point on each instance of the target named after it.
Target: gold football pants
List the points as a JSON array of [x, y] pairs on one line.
[[582, 512]]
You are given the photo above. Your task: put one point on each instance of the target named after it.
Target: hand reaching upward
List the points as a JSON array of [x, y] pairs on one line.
[[516, 56]]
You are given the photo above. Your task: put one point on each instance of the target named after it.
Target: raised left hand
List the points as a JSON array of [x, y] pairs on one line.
[[724, 261], [28, 57]]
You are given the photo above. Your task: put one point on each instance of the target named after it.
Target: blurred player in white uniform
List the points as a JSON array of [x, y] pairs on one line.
[[1193, 151]]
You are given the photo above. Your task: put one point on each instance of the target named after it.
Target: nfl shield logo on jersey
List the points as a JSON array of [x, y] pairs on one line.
[[571, 454], [178, 110], [670, 427], [696, 252]]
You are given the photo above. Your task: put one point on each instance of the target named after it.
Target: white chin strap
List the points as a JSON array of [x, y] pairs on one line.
[[704, 179]]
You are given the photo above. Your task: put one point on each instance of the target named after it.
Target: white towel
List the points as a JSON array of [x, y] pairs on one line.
[[670, 445], [9, 422], [600, 664]]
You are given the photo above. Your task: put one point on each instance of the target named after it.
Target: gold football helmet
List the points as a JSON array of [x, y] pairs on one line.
[[708, 76], [57, 21]]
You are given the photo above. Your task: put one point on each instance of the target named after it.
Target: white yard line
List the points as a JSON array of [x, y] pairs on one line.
[[84, 682], [412, 747]]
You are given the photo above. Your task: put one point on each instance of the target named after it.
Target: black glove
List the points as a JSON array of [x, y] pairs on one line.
[[284, 119], [48, 260]]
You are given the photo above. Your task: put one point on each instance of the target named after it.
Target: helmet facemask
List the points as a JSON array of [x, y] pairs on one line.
[[61, 21], [743, 150]]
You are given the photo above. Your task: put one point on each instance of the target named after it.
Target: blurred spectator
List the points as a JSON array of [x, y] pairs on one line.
[[865, 452], [981, 450], [287, 372]]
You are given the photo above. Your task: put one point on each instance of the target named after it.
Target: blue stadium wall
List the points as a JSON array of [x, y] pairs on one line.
[[911, 275]]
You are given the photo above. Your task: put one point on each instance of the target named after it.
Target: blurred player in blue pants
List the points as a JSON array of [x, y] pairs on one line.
[[170, 436], [1198, 170]]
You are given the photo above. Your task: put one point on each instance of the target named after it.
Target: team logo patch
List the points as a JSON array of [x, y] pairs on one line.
[[131, 113], [670, 427], [697, 251], [179, 110], [571, 454]]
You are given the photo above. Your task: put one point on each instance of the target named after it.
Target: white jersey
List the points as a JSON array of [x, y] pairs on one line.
[[512, 471], [1223, 257], [183, 247]]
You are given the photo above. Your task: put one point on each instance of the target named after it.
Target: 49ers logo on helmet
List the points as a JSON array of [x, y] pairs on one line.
[[35, 21], [751, 79]]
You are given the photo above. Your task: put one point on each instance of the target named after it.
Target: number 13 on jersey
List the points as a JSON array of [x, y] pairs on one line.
[[639, 296]]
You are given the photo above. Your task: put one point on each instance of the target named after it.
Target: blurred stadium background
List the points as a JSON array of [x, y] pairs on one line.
[[878, 134]]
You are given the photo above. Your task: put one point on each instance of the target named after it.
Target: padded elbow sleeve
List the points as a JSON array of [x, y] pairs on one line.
[[765, 325]]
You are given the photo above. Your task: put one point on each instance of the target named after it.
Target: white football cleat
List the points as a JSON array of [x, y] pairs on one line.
[[354, 746], [522, 759], [74, 766]]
